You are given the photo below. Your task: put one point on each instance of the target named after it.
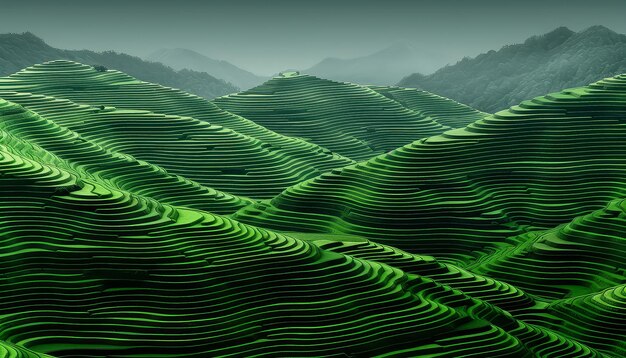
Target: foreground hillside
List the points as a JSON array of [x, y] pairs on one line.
[[355, 121], [18, 51], [115, 241], [460, 194], [90, 270], [498, 79]]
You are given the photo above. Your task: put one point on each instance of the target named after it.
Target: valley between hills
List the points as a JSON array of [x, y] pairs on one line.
[[307, 217]]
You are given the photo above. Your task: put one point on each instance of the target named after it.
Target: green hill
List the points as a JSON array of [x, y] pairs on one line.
[[91, 271], [460, 194], [440, 109], [182, 133], [18, 51], [355, 121], [56, 145], [542, 64], [113, 241]]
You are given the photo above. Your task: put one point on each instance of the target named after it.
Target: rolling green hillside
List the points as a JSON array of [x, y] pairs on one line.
[[93, 271], [184, 134], [59, 146], [127, 213], [18, 51], [460, 194], [355, 121], [440, 109]]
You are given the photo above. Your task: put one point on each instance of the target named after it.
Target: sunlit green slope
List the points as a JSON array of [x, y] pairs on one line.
[[48, 142], [182, 133], [92, 271], [460, 194], [569, 280], [112, 242], [355, 121]]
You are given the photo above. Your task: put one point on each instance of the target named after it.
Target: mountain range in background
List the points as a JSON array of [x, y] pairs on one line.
[[180, 59], [542, 64], [385, 67], [18, 51]]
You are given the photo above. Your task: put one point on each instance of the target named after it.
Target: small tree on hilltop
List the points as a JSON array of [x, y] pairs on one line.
[[100, 68]]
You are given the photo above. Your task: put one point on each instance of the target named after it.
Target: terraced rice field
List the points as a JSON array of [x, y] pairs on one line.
[[355, 121], [142, 221]]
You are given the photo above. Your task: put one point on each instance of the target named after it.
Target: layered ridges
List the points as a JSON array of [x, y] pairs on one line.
[[354, 121], [484, 288], [90, 271], [440, 109], [97, 258], [182, 133], [458, 195], [578, 258], [48, 142], [598, 319]]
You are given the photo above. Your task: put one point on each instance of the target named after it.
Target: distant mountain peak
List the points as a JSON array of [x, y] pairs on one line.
[[598, 35], [551, 39], [396, 49], [182, 58], [598, 29], [558, 59], [25, 36]]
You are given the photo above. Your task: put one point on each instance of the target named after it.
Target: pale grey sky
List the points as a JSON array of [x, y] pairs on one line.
[[269, 36]]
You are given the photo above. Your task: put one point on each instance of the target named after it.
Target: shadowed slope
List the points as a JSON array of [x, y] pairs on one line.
[[89, 271], [349, 119], [581, 257], [48, 142], [459, 194], [235, 155]]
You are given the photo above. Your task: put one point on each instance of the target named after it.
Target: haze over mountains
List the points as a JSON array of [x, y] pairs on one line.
[[135, 215], [180, 59], [542, 64], [385, 67], [18, 51]]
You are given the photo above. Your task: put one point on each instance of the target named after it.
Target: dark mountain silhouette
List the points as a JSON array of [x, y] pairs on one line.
[[498, 79]]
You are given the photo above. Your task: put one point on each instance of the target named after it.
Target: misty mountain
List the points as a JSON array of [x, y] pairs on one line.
[[180, 58], [22, 50], [542, 64], [384, 67]]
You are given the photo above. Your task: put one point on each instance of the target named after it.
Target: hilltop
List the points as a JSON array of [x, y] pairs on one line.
[[18, 51], [462, 193], [180, 58], [499, 79], [90, 270], [355, 121]]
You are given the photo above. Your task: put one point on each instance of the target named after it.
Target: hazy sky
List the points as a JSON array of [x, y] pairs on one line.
[[267, 36]]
